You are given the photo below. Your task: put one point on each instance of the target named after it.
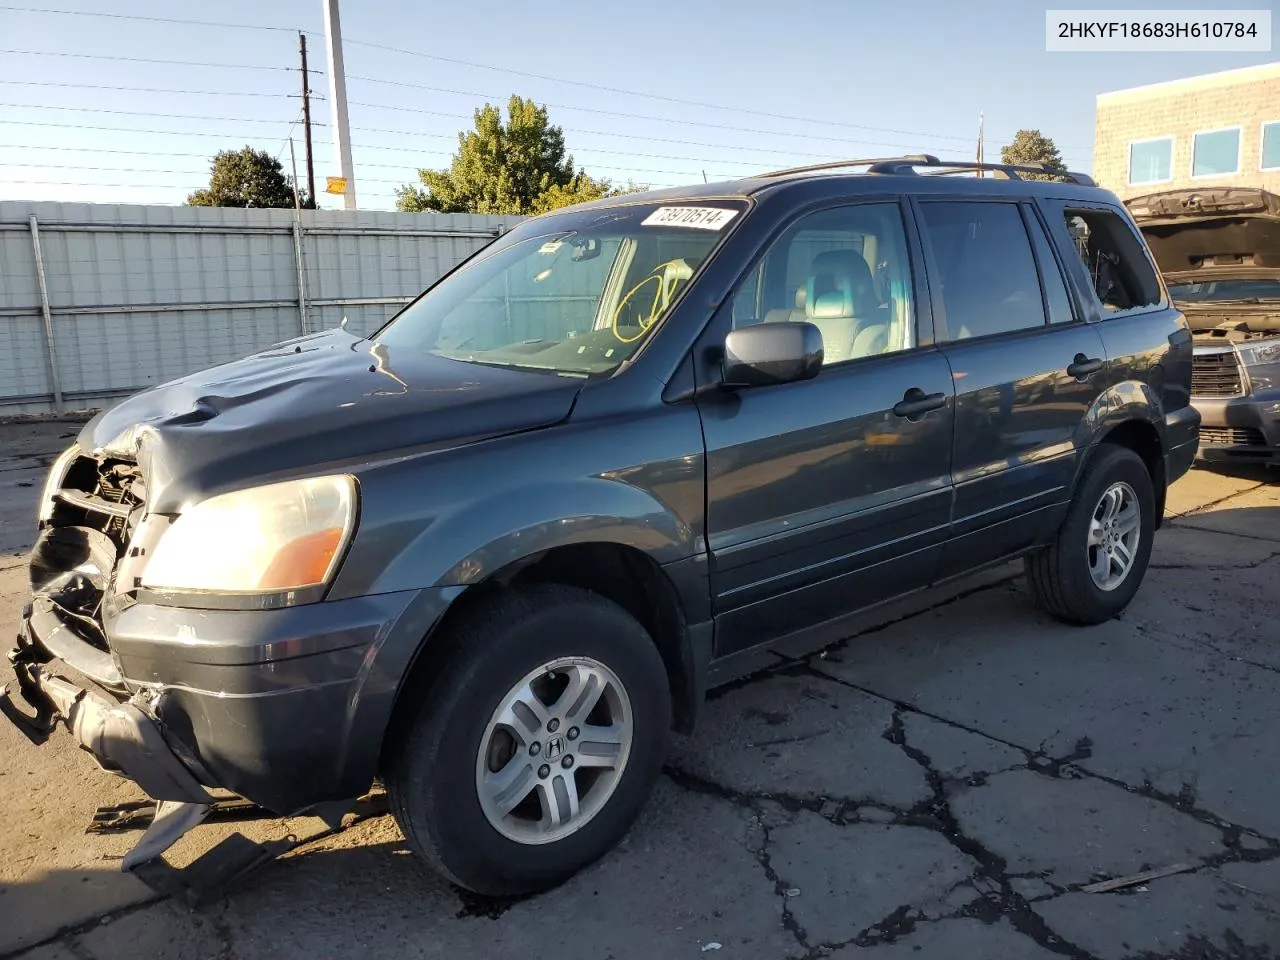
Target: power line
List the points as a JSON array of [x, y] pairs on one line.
[[651, 117], [656, 96], [83, 126], [399, 181], [507, 70], [135, 113], [634, 116], [130, 16], [171, 63], [98, 86]]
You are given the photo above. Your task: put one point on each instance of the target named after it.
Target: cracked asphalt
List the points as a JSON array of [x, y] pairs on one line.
[[946, 784]]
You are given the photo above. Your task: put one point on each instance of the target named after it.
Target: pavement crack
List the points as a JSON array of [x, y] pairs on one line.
[[1001, 899], [1232, 533], [1066, 766], [1205, 507], [71, 931], [1250, 565]]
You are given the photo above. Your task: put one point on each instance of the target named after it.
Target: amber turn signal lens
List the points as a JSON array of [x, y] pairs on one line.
[[302, 562]]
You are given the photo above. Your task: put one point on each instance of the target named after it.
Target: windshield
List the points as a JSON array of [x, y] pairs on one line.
[[572, 294], [1209, 291]]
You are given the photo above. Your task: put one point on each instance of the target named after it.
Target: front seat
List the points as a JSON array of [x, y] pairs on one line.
[[839, 300]]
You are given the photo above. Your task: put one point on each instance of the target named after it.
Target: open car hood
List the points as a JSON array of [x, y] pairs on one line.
[[1218, 229]]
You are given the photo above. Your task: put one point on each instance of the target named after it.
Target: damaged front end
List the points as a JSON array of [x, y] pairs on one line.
[[92, 515]]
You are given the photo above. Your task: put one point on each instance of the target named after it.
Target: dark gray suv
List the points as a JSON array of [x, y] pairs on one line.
[[493, 553]]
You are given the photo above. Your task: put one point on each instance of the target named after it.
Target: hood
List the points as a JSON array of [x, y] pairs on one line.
[[1226, 230], [322, 400]]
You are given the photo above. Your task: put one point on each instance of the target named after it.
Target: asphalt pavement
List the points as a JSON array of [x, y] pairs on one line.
[[951, 784]]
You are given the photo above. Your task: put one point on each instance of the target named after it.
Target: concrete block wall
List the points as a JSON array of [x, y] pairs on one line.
[[1246, 98]]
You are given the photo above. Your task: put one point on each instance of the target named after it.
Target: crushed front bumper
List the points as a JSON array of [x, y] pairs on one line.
[[121, 735], [286, 708]]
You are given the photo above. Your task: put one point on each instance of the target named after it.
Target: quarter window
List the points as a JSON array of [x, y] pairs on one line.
[[1151, 161], [845, 270], [1216, 153], [1270, 149], [1120, 272], [986, 272]]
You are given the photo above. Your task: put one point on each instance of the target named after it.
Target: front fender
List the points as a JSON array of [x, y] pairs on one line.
[[455, 520], [470, 545]]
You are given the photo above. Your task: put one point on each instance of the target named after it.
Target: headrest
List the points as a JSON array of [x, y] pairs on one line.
[[831, 306], [801, 297], [846, 262], [842, 271]]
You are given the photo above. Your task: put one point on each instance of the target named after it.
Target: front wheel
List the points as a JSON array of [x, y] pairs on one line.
[[535, 745], [1096, 563]]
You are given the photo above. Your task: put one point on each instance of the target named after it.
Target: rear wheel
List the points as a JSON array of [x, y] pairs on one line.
[[1096, 563], [536, 743]]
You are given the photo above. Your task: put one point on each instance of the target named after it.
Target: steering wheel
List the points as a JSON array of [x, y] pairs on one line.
[[665, 279]]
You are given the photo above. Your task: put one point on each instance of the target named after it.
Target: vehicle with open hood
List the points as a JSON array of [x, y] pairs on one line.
[[494, 552], [1219, 251]]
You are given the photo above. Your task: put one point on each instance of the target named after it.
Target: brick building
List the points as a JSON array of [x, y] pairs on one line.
[[1220, 129]]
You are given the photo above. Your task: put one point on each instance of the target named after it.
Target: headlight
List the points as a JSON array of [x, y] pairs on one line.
[[272, 539], [1254, 353], [53, 482]]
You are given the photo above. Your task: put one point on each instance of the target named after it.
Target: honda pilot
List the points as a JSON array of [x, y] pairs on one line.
[[492, 554]]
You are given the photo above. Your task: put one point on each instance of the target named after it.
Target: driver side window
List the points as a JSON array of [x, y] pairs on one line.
[[846, 271]]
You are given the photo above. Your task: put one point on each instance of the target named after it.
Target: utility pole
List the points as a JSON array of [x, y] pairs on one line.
[[980, 145], [306, 119], [338, 103]]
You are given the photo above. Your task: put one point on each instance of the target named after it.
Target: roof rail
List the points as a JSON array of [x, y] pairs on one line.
[[921, 158], [906, 166]]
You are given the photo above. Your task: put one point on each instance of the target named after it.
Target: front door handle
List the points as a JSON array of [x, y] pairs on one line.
[[1083, 367], [915, 403]]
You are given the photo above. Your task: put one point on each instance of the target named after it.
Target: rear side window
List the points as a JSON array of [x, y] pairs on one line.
[[986, 273], [1119, 271]]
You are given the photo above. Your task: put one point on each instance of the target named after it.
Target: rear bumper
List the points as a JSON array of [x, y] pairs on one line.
[[1240, 429], [287, 708], [1181, 431]]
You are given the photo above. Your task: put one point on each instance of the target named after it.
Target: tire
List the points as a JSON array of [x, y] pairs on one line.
[[437, 776], [1061, 576]]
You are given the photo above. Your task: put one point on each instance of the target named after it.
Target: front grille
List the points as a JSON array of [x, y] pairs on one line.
[[1216, 375], [1232, 437]]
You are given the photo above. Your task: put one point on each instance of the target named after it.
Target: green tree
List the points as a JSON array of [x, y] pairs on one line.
[[1032, 147], [247, 178], [518, 167]]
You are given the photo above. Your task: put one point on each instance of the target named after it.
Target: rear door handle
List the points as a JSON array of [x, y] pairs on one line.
[[1083, 366], [915, 403]]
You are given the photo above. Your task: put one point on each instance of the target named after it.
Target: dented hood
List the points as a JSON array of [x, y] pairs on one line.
[[317, 402], [1219, 229]]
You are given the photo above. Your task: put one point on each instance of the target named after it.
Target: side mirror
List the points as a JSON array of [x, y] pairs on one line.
[[769, 353]]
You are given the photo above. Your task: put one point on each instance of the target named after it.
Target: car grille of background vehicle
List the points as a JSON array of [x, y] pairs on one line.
[[1216, 375], [1232, 436]]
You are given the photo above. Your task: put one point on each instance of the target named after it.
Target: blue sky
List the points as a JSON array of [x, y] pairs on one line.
[[867, 78]]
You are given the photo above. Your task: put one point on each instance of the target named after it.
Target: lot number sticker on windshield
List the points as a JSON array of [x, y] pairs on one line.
[[697, 218]]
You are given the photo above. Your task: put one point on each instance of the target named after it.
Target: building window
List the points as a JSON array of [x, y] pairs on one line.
[[1215, 153], [1270, 150], [1151, 161]]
